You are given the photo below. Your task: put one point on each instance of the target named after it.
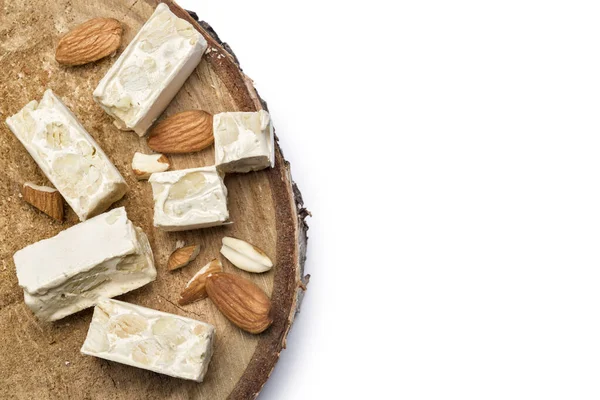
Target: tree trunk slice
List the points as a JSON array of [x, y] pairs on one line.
[[42, 360]]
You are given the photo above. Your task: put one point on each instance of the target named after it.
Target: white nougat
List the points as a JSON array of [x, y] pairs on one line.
[[189, 199], [244, 141], [151, 70], [68, 155], [104, 256], [150, 339]]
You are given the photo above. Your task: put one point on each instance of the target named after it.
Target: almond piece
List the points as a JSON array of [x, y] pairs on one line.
[[46, 199], [184, 132], [196, 287], [245, 255], [144, 165], [240, 300], [182, 257], [90, 41]]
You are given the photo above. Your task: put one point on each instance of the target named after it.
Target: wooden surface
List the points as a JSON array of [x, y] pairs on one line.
[[42, 360]]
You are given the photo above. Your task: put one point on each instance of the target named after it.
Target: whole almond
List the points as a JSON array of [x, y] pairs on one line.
[[182, 257], [240, 300], [184, 132], [46, 199], [196, 287], [90, 41]]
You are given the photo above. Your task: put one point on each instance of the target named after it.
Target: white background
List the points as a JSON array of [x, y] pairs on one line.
[[449, 152]]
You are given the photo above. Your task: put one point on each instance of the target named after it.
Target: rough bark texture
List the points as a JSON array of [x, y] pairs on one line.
[[285, 308], [42, 361]]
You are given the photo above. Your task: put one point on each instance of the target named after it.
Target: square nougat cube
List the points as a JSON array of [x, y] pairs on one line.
[[243, 141], [189, 199]]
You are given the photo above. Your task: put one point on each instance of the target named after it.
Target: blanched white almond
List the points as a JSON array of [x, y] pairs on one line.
[[127, 325], [144, 165], [245, 255]]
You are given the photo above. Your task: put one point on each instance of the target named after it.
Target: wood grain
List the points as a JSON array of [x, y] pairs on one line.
[[41, 360]]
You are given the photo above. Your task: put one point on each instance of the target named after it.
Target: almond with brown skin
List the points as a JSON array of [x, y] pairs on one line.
[[184, 132], [240, 300], [46, 199], [182, 257], [90, 41], [196, 287]]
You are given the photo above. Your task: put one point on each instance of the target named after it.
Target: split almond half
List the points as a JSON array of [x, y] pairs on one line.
[[196, 287], [46, 199], [245, 255], [144, 165], [90, 41], [240, 300], [184, 132], [182, 257]]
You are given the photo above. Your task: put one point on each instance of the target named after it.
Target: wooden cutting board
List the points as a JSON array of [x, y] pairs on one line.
[[42, 360]]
